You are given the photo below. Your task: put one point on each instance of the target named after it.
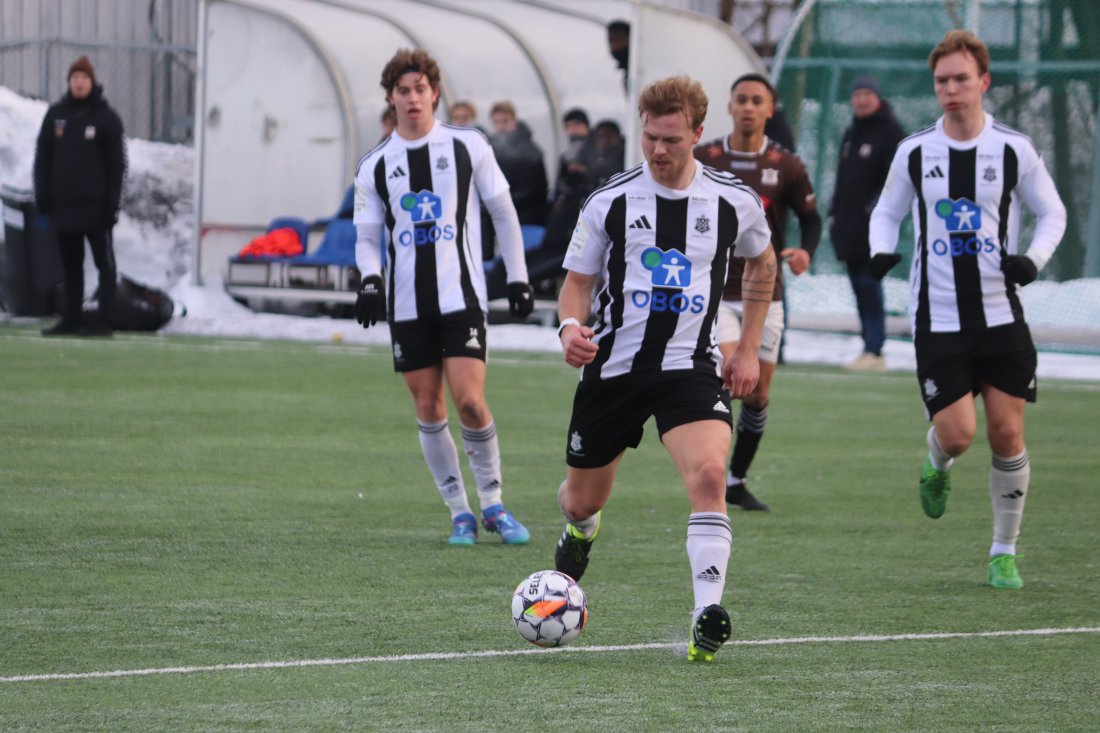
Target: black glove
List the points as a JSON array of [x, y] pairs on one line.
[[882, 263], [521, 299], [1019, 269], [370, 306]]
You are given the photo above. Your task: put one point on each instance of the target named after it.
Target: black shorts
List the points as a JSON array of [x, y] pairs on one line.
[[428, 341], [949, 365], [608, 415]]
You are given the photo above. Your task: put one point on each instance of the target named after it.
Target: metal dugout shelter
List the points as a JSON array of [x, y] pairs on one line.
[[288, 94]]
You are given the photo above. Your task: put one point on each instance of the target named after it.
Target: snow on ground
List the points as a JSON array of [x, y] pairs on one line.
[[154, 244]]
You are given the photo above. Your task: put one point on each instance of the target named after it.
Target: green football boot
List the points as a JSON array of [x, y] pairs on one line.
[[709, 632], [934, 487], [1003, 572]]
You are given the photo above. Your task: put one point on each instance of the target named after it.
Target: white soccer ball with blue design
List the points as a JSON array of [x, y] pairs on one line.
[[549, 608]]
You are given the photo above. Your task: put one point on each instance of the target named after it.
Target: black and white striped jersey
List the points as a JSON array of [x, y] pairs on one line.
[[662, 257], [965, 200], [427, 193]]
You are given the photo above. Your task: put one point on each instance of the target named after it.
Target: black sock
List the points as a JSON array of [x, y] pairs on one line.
[[750, 429]]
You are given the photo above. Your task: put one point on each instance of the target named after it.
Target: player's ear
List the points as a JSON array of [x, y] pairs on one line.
[[986, 81], [698, 134]]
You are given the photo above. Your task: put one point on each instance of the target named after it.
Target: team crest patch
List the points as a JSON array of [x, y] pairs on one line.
[[930, 389], [442, 164], [397, 355], [575, 443], [990, 174], [702, 224], [769, 176]]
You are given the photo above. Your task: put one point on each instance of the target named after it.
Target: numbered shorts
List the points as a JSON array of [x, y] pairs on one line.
[[427, 342], [950, 365], [608, 415], [730, 313]]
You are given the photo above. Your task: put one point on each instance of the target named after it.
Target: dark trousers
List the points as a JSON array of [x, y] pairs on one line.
[[870, 304], [72, 263]]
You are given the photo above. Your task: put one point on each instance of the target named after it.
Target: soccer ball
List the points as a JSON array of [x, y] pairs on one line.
[[549, 608]]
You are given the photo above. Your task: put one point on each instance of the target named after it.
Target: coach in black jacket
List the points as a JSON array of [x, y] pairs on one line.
[[78, 169], [865, 154]]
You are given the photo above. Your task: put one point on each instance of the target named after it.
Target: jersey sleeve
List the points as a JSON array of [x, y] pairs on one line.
[[754, 235], [369, 207], [586, 249], [800, 194], [488, 177], [1037, 190], [893, 204]]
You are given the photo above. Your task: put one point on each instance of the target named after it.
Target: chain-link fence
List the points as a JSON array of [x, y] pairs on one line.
[[1046, 76], [143, 52]]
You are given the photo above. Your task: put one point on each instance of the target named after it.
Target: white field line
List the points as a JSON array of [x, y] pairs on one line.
[[444, 656]]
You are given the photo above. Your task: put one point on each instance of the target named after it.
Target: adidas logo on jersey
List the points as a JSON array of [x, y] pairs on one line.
[[719, 407], [640, 223], [934, 173], [710, 574], [397, 172]]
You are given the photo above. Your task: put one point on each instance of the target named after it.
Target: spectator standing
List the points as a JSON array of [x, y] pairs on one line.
[[464, 114], [963, 179], [522, 163], [866, 150], [423, 185], [781, 181], [80, 162]]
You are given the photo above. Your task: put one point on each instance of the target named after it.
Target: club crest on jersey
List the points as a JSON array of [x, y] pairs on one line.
[[990, 174], [702, 224], [959, 215], [575, 444], [769, 177], [442, 164]]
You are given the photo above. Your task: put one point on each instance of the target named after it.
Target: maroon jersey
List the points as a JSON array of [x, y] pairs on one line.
[[781, 181]]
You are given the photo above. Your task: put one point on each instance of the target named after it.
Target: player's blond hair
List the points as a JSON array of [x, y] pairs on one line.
[[674, 94], [961, 41]]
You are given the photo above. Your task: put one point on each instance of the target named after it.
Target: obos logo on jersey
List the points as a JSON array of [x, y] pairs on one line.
[[961, 215], [425, 208], [670, 269]]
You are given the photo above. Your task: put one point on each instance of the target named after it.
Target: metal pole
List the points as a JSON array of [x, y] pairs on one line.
[[1092, 229], [974, 16]]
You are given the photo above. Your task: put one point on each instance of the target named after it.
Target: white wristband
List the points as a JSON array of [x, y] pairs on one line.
[[567, 322]]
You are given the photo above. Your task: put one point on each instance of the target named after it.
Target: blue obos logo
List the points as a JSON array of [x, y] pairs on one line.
[[669, 269], [425, 208], [961, 215]]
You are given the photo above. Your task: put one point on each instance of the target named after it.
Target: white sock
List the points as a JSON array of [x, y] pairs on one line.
[[709, 540], [940, 460], [586, 527], [1008, 482], [441, 454], [484, 451]]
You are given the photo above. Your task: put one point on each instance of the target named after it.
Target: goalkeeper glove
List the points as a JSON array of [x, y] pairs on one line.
[[882, 263], [370, 305], [521, 299], [1019, 269]]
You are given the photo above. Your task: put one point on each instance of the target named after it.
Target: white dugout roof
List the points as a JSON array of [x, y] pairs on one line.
[[289, 96]]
